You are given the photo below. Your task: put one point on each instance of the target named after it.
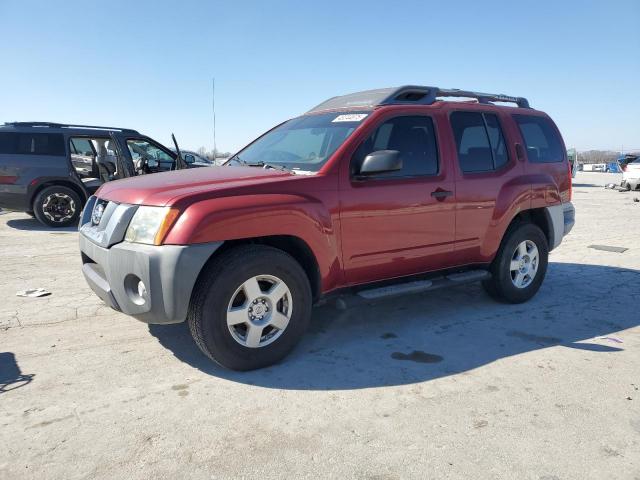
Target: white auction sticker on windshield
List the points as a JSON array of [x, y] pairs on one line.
[[350, 117]]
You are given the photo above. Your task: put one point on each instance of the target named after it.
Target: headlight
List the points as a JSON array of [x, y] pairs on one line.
[[150, 224]]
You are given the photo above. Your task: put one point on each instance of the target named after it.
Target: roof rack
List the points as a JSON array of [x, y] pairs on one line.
[[64, 125], [412, 95]]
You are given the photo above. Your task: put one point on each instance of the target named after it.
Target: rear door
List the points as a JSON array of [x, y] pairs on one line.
[[398, 223], [546, 159], [485, 163], [27, 159]]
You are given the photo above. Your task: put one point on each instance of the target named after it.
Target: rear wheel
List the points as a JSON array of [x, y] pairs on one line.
[[57, 206], [520, 265], [250, 307]]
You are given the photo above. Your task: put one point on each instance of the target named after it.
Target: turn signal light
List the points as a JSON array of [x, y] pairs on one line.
[[166, 225]]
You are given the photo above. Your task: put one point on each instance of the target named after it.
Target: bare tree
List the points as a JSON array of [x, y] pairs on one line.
[[212, 154], [598, 156]]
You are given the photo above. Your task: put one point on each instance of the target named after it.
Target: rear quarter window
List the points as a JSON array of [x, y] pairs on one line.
[[13, 143], [541, 139]]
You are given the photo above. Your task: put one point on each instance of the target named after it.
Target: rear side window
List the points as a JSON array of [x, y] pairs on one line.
[[412, 136], [479, 141], [32, 144], [540, 138]]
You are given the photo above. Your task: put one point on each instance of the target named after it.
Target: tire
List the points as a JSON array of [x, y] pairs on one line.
[[223, 291], [502, 284], [57, 206]]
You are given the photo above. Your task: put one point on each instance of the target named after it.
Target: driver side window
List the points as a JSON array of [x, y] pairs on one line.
[[157, 159], [412, 136]]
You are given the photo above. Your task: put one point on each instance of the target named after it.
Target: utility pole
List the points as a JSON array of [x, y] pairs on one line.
[[213, 106]]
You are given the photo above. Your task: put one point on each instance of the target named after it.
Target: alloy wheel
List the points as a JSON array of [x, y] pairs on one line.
[[58, 207], [524, 264], [259, 311]]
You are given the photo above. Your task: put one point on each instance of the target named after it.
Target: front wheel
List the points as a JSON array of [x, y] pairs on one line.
[[520, 265], [57, 206], [250, 307]]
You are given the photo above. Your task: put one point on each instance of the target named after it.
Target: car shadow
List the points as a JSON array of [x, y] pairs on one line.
[[33, 225], [422, 337], [11, 377]]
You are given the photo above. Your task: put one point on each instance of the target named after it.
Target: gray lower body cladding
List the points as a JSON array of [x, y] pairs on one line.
[[563, 218], [168, 273]]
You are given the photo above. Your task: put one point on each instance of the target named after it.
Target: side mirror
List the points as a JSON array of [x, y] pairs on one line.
[[189, 158], [382, 161]]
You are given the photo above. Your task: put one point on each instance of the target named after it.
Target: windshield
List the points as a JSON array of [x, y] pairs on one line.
[[304, 143]]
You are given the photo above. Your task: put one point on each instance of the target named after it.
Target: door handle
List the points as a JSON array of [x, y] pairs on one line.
[[441, 194]]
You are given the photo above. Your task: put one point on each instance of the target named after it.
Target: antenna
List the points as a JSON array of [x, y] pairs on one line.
[[213, 106]]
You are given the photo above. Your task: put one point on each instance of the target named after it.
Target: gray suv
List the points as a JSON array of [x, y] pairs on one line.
[[49, 170]]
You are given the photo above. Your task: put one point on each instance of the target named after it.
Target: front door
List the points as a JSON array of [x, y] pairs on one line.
[[149, 157], [402, 222]]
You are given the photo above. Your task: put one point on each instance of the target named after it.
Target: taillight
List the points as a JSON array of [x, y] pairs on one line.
[[8, 179]]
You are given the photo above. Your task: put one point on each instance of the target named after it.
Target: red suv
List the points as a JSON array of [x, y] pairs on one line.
[[376, 193]]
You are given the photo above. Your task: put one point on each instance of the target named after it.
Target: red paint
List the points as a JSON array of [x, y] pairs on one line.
[[361, 231]]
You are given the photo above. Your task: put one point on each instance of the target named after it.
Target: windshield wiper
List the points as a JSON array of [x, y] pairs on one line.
[[236, 158], [275, 166], [260, 163]]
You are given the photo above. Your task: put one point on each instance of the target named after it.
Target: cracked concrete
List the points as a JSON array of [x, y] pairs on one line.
[[447, 384]]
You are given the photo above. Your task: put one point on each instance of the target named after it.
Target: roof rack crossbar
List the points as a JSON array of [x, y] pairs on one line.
[[485, 97], [64, 125], [412, 94]]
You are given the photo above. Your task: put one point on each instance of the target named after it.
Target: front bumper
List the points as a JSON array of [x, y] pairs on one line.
[[149, 282], [168, 273]]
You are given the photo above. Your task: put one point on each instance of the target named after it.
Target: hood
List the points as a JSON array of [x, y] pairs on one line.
[[165, 188]]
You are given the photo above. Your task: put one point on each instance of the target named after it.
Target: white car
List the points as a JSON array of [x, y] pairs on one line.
[[631, 172], [631, 175]]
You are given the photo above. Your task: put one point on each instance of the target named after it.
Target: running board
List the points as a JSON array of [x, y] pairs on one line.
[[454, 279]]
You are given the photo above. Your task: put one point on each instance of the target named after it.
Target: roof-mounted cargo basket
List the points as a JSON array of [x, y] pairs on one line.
[[412, 95]]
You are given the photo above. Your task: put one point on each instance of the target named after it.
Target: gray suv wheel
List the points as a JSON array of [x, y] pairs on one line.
[[57, 206]]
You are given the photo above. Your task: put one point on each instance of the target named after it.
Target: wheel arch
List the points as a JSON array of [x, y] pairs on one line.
[[537, 216], [293, 245]]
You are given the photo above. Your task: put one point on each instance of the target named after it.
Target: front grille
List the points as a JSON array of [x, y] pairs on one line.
[[98, 211], [109, 224]]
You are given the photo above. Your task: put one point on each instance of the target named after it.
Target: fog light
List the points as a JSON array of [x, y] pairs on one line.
[[136, 289]]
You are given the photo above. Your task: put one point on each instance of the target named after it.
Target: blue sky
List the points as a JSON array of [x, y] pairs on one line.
[[148, 64]]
